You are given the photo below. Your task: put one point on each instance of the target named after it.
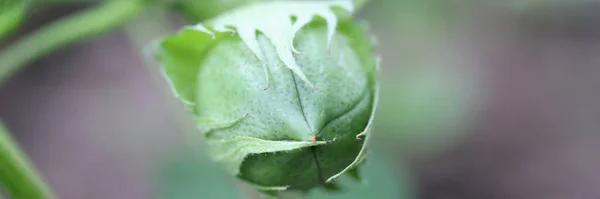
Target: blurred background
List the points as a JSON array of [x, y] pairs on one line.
[[480, 99]]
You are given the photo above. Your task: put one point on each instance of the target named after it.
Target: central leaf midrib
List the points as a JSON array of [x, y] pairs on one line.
[[300, 102], [312, 149]]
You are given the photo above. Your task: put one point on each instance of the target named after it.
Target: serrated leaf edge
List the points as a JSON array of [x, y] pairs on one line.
[[233, 157], [362, 154], [274, 21]]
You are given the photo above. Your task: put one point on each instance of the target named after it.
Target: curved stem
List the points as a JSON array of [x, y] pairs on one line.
[[17, 175], [65, 31]]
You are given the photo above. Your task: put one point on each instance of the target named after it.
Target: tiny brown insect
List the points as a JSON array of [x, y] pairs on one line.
[[313, 138]]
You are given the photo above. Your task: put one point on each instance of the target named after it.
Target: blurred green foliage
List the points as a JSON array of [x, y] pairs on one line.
[[425, 91], [424, 110], [191, 176], [18, 176], [197, 11], [11, 14], [382, 178]]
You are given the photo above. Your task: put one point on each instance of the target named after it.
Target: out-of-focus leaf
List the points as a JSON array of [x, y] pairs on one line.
[[187, 177], [197, 11], [382, 180], [11, 13], [410, 13], [424, 110], [427, 96], [191, 177], [18, 177]]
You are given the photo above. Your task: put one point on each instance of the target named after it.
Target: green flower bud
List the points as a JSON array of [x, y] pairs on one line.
[[283, 92]]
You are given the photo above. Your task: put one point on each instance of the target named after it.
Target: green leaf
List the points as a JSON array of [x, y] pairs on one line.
[[11, 14], [187, 176], [233, 151], [181, 61], [17, 175], [365, 148], [355, 174], [332, 187], [382, 179]]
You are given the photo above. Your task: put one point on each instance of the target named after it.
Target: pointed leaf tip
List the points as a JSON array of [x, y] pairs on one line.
[[232, 152], [274, 21]]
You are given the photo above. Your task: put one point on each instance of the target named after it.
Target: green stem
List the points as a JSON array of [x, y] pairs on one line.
[[51, 2], [17, 175], [65, 31]]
